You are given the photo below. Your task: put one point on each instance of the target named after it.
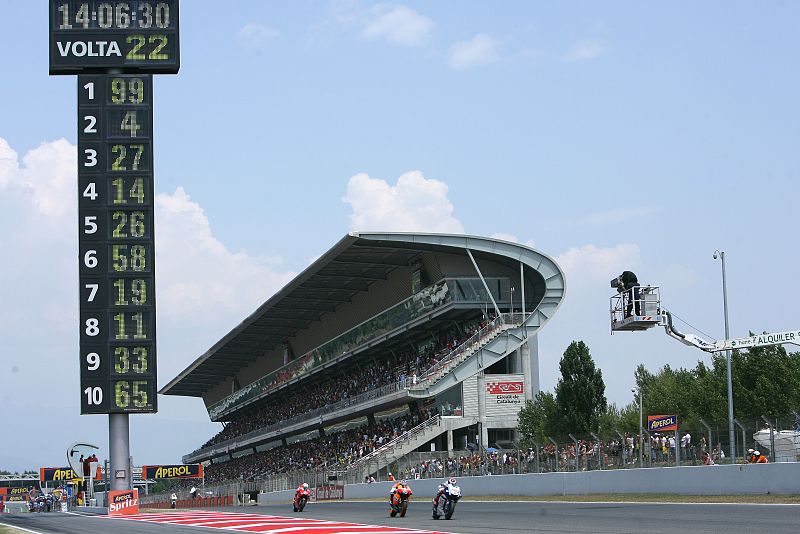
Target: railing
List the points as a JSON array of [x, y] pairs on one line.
[[404, 437], [417, 305], [394, 317], [502, 322], [372, 394]]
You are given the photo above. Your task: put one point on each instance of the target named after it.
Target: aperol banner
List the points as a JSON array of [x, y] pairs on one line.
[[662, 423]]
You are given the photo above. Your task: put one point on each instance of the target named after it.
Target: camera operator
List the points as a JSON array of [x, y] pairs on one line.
[[628, 284]]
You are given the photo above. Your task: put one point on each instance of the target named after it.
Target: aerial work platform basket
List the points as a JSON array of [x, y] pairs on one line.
[[638, 308]]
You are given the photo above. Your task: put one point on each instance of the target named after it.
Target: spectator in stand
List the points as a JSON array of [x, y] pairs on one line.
[[374, 374]]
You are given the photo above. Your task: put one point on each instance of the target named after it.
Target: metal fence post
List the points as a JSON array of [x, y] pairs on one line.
[[771, 438], [556, 456], [623, 445], [744, 438], [577, 453], [708, 430], [599, 451]]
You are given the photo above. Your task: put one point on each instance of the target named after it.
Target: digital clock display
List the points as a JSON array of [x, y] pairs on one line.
[[116, 243], [130, 36]]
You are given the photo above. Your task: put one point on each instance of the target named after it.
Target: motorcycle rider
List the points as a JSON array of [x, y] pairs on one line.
[[442, 488], [303, 487], [173, 500], [395, 487]]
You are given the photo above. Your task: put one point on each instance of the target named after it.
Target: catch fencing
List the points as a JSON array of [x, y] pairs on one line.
[[778, 439]]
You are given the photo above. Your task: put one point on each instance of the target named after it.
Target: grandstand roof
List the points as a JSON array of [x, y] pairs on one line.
[[349, 267]]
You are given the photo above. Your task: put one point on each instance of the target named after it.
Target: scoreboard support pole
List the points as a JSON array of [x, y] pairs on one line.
[[119, 451]]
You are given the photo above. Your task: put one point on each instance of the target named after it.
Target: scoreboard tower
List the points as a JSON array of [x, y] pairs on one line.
[[114, 48]]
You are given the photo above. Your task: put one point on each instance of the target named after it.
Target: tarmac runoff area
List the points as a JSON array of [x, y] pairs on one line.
[[471, 517]]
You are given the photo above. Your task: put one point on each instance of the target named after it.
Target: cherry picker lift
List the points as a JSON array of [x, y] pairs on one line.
[[638, 308]]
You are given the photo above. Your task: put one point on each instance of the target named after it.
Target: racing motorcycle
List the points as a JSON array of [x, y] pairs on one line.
[[447, 501], [399, 502], [301, 498]]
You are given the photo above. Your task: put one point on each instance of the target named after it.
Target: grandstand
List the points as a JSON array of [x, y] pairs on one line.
[[387, 344]]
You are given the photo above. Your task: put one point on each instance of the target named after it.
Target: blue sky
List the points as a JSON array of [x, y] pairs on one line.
[[621, 135]]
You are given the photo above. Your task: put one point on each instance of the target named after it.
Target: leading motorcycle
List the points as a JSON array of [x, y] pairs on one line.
[[447, 501]]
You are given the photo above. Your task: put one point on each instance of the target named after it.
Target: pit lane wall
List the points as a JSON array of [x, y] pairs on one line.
[[781, 478]]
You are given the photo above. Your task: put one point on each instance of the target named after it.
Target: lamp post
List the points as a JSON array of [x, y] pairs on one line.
[[638, 393], [731, 436]]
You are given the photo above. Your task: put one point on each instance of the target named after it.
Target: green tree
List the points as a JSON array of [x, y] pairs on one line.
[[580, 392], [764, 383], [537, 417]]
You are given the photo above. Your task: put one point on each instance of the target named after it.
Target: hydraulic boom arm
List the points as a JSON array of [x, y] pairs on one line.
[[761, 340]]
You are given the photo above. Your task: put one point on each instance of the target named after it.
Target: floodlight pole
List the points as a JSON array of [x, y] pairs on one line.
[[731, 434]]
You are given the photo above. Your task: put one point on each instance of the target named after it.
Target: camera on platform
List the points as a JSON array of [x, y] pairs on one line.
[[618, 284]]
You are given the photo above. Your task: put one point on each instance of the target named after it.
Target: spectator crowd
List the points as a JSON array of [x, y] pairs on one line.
[[370, 375], [335, 450]]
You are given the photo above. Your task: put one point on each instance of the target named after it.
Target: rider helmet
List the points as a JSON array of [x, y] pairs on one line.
[[305, 485], [756, 453], [404, 482], [452, 481]]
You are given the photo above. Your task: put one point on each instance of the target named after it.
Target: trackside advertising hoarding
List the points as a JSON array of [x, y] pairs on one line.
[[328, 493], [47, 474], [172, 471], [662, 423], [125, 502]]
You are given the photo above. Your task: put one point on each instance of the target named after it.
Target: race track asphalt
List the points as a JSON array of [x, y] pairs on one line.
[[475, 517]]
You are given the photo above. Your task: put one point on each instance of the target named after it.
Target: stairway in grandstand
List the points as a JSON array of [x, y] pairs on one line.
[[487, 346], [404, 444]]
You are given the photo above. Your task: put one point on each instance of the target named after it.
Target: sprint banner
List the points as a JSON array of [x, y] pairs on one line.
[[172, 471]]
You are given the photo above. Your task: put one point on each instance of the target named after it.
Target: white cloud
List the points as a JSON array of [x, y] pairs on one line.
[[480, 50], [255, 35], [414, 204], [46, 177], [396, 24], [512, 238], [196, 273], [585, 50], [592, 263], [399, 25]]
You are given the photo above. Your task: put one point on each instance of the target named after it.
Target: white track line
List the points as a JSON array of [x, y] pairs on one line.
[[9, 525]]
